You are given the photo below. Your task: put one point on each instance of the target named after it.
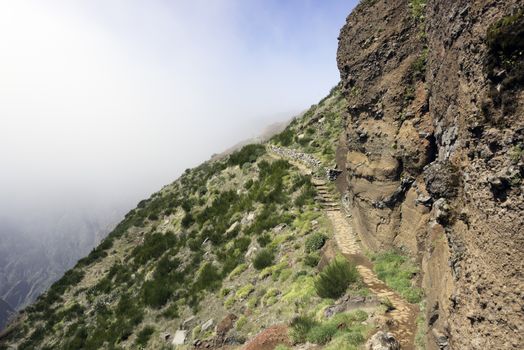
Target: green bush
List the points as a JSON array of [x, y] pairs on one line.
[[156, 293], [263, 259], [264, 240], [155, 244], [208, 277], [285, 138], [315, 242], [334, 280], [322, 333], [300, 327], [248, 154], [312, 260], [143, 336]]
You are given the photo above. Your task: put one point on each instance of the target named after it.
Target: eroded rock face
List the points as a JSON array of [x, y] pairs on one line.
[[431, 101]]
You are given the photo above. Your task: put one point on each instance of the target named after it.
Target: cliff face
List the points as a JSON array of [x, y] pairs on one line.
[[433, 155]]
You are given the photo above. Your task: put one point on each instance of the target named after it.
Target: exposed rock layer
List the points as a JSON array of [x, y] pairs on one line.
[[423, 107]]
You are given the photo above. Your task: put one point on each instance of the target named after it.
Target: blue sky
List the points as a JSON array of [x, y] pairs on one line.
[[110, 100]]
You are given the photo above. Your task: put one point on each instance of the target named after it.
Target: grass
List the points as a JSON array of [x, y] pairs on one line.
[[340, 330], [417, 8], [422, 328], [335, 278], [397, 271], [243, 292]]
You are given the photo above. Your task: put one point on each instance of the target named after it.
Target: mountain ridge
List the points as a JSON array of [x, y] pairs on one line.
[[415, 158]]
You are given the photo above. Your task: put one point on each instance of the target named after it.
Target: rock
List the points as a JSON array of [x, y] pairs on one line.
[[226, 325], [332, 174], [397, 196], [165, 336], [441, 339], [426, 201], [232, 227], [188, 321], [208, 324], [250, 251], [382, 341], [442, 179], [333, 310], [248, 218], [441, 211], [279, 228], [180, 337]]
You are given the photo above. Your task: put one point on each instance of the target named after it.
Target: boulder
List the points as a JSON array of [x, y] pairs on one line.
[[382, 341], [232, 227], [226, 324], [207, 325], [180, 337], [188, 321]]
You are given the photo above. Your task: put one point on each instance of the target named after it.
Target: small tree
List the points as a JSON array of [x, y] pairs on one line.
[[335, 278], [263, 259]]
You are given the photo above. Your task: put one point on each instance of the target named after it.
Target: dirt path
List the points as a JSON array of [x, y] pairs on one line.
[[403, 317]]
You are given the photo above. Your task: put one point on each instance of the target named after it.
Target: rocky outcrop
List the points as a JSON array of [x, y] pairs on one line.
[[434, 155]]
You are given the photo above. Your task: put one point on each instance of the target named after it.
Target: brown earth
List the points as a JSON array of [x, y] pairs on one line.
[[269, 338]]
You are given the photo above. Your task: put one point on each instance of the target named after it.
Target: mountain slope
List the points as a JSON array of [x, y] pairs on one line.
[[232, 244], [6, 312], [423, 138]]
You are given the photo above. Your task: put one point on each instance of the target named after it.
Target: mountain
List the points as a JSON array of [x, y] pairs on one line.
[[6, 312], [30, 264], [387, 216]]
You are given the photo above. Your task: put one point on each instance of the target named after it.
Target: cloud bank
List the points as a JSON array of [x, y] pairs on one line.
[[103, 102]]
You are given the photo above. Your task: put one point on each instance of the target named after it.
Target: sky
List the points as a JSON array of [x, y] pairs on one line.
[[104, 102]]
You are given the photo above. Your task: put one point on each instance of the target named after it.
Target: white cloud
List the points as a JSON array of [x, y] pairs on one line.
[[109, 100]]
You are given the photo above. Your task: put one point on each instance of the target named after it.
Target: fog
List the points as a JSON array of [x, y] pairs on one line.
[[103, 102]]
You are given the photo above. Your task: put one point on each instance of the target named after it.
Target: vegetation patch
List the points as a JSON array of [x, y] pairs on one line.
[[315, 241], [397, 271], [344, 328], [263, 259], [335, 278]]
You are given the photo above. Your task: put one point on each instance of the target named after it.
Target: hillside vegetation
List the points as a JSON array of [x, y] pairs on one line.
[[236, 238]]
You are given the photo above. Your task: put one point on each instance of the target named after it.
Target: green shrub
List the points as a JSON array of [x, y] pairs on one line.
[[334, 280], [264, 240], [156, 293], [248, 154], [312, 260], [143, 336], [322, 333], [315, 242], [285, 138], [155, 244], [300, 327], [208, 277], [263, 259]]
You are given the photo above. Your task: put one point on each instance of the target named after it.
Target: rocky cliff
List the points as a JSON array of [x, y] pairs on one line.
[[433, 155]]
